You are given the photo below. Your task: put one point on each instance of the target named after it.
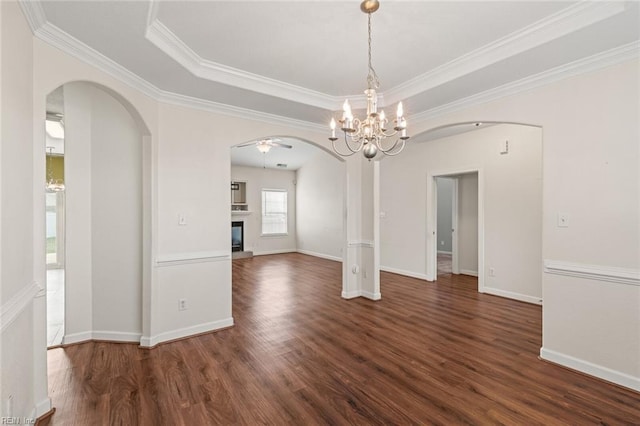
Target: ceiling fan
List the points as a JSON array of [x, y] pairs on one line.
[[265, 145]]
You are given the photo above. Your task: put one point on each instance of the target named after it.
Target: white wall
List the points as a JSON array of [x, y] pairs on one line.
[[512, 200], [320, 207], [591, 169], [18, 284], [116, 218], [258, 179], [445, 206], [103, 216], [468, 223]]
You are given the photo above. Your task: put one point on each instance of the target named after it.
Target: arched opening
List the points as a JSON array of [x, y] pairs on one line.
[[106, 215], [289, 197]]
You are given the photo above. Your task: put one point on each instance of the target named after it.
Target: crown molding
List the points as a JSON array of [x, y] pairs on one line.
[[60, 39], [550, 28], [33, 13], [578, 16], [611, 57], [165, 40], [238, 112]]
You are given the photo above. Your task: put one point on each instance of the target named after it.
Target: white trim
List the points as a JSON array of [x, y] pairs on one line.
[[164, 39], [404, 272], [116, 336], [573, 17], [320, 255], [587, 367], [351, 294], [109, 336], [11, 310], [268, 252], [469, 272], [371, 296], [69, 339], [42, 408], [512, 295], [58, 38], [444, 252], [172, 259], [549, 28], [237, 112], [582, 66], [34, 14], [360, 243], [151, 341], [593, 272]]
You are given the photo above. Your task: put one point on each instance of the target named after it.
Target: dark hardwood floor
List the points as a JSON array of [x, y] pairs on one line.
[[427, 353]]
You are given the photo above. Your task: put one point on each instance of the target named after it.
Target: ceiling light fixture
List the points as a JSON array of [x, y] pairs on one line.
[[368, 135], [263, 146], [53, 185]]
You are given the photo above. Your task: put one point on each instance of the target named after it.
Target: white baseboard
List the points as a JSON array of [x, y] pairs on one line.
[[108, 336], [372, 296], [41, 408], [469, 272], [70, 339], [268, 252], [587, 367], [320, 255], [351, 294], [403, 272], [444, 252], [512, 295], [116, 336], [149, 342]]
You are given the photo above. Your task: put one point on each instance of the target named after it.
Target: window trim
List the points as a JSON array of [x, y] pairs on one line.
[[286, 215]]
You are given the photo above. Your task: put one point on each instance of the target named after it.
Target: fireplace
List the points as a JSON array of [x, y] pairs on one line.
[[237, 236]]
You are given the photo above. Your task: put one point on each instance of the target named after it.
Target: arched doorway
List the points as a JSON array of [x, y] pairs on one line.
[[106, 214]]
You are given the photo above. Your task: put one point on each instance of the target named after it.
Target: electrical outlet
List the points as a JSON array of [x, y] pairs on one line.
[[492, 272], [182, 305], [182, 220]]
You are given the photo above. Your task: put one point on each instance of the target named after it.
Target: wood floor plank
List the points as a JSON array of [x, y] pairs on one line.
[[428, 353]]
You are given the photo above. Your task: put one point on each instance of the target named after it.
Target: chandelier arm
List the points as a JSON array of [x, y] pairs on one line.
[[335, 149], [390, 152], [391, 148], [358, 140]]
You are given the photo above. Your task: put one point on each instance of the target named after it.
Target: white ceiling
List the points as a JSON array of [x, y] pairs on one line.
[[298, 60]]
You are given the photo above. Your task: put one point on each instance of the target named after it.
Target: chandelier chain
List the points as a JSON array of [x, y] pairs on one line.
[[372, 77]]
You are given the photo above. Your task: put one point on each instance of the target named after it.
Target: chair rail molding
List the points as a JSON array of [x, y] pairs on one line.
[[594, 272], [13, 308]]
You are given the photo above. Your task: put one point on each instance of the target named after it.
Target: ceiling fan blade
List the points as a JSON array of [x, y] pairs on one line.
[[281, 145], [246, 144]]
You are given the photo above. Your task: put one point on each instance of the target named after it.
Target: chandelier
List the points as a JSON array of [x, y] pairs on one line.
[[370, 134], [53, 185]]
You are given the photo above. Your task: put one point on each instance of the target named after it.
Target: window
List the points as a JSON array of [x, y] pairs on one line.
[[274, 212]]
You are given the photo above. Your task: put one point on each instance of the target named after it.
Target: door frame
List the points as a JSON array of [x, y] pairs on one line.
[[431, 225]]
